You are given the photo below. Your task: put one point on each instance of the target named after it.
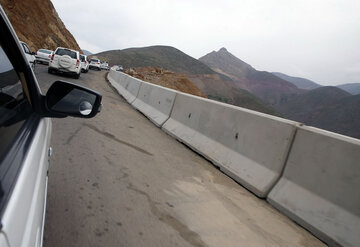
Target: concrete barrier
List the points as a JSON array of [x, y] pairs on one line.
[[250, 147], [155, 102], [127, 86], [320, 187], [117, 80]]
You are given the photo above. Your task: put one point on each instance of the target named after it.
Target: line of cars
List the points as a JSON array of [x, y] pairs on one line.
[[63, 60]]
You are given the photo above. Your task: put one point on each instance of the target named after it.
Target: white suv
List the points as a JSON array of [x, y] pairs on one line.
[[43, 56], [65, 60], [84, 63], [95, 64]]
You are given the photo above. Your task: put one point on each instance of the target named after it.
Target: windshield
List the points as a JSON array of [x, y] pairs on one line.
[[63, 52], [45, 51], [95, 60]]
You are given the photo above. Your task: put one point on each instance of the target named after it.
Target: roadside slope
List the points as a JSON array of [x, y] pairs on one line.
[[37, 23]]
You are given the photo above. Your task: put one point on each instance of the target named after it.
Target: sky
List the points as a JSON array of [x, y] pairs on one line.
[[314, 39]]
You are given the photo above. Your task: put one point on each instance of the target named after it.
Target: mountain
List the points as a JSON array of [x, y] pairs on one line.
[[328, 108], [86, 52], [214, 85], [37, 23], [342, 116], [298, 81], [165, 57], [225, 63], [353, 88], [305, 106], [268, 87]]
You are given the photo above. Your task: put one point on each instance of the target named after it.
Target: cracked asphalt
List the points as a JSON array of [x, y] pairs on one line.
[[118, 180]]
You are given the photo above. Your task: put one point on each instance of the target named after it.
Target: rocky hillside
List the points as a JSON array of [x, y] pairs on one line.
[[166, 57], [37, 23], [298, 81], [268, 87], [166, 78], [328, 108], [303, 107], [214, 85]]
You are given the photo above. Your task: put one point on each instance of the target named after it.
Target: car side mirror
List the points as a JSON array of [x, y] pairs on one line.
[[68, 99], [32, 53]]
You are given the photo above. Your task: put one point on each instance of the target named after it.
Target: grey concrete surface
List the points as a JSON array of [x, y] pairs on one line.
[[249, 146], [155, 102], [118, 180], [320, 186]]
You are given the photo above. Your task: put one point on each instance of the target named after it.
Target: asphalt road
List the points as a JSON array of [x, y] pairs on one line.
[[118, 180]]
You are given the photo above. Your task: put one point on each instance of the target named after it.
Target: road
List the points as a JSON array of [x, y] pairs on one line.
[[118, 180]]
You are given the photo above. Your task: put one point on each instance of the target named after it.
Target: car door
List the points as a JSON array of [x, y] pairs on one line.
[[29, 55], [24, 147]]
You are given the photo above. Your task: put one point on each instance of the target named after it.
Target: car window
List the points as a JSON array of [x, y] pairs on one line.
[[14, 105], [26, 48], [45, 51], [82, 58], [63, 52], [94, 60]]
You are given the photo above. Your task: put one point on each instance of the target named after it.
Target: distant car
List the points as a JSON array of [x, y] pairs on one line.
[[65, 60], [84, 63], [25, 131], [43, 56], [104, 66], [94, 64], [30, 56], [120, 68]]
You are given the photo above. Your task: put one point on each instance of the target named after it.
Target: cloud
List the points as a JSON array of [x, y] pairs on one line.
[[320, 38]]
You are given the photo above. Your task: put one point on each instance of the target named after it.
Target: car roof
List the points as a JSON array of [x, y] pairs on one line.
[[67, 49]]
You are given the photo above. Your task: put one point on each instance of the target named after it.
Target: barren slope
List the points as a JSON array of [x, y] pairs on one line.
[[37, 23]]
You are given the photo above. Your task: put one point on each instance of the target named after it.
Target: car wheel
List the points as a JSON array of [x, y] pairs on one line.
[[77, 76], [50, 71]]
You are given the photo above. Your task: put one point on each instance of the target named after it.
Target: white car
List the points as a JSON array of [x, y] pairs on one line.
[[25, 130], [65, 60], [30, 56], [43, 56], [84, 63], [94, 64], [104, 66]]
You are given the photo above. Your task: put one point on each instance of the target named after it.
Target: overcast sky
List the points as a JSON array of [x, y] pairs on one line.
[[315, 39]]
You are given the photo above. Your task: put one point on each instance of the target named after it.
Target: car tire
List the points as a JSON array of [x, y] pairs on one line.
[[77, 76], [50, 71]]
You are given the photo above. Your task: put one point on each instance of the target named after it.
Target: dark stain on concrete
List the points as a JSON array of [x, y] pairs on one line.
[[114, 138], [188, 235], [73, 135]]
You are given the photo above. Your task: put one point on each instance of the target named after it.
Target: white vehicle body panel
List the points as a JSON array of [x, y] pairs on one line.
[[31, 58], [43, 57], [23, 218]]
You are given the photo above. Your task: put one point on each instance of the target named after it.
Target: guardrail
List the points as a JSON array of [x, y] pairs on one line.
[[311, 175]]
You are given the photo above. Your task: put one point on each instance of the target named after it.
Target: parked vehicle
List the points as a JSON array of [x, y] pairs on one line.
[[120, 68], [30, 56], [84, 63], [94, 64], [43, 56], [25, 130], [104, 66], [65, 60]]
